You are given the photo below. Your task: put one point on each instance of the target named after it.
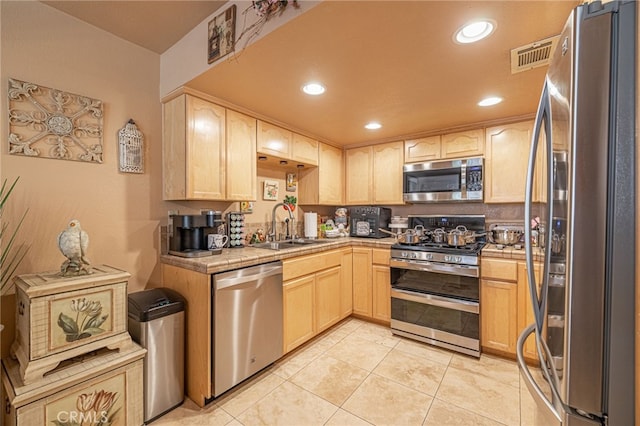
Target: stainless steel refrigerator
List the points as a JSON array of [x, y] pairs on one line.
[[583, 153]]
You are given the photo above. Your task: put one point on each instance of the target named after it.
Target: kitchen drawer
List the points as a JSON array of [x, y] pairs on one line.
[[106, 386], [381, 256], [310, 264], [499, 269], [58, 318]]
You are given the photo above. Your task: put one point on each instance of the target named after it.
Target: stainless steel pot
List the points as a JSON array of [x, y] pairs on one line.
[[420, 231], [438, 235], [457, 237], [505, 236], [407, 237]]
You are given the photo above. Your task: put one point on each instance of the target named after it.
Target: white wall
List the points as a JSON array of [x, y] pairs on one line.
[[187, 59]]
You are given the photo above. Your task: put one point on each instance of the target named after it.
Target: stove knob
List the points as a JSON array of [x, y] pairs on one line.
[[414, 256], [429, 256], [404, 254]]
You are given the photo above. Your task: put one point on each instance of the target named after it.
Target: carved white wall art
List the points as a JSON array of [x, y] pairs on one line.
[[50, 123], [131, 148]]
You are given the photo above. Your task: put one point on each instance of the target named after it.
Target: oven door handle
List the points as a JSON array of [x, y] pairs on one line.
[[444, 268], [432, 299]]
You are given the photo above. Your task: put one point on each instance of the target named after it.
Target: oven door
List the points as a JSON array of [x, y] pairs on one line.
[[441, 308]]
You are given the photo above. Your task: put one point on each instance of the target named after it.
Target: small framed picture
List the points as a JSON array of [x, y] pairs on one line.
[[246, 206], [270, 190], [292, 182], [222, 30]]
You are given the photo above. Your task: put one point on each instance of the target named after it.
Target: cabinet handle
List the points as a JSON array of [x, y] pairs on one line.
[[7, 405], [21, 308]]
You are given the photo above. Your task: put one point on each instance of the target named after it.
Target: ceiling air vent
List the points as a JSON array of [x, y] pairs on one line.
[[533, 55]]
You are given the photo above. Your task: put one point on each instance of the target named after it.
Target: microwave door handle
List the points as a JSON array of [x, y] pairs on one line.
[[542, 118]]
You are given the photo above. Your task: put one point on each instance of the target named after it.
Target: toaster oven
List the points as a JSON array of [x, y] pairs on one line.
[[366, 221]]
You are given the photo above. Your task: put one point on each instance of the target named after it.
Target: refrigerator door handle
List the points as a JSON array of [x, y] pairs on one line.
[[543, 117], [551, 413]]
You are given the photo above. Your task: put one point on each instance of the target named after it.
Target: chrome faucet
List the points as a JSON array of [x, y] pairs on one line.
[[272, 234]]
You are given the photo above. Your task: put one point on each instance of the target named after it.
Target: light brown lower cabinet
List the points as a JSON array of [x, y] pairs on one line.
[[327, 298], [312, 295], [371, 283], [298, 302], [499, 317], [505, 307]]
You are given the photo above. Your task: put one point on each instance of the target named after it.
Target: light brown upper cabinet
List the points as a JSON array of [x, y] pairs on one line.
[[463, 144], [206, 151], [469, 143], [422, 149], [277, 144], [374, 174], [323, 185], [304, 150], [506, 160], [193, 149], [242, 178]]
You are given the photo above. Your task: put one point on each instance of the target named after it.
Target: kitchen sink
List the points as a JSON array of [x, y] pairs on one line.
[[287, 244]]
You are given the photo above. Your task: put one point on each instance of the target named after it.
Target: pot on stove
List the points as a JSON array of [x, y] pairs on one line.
[[438, 236], [457, 237]]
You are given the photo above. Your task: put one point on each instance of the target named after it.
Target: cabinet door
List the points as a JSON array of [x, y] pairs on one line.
[[381, 297], [273, 140], [327, 298], [174, 149], [498, 315], [359, 174], [346, 283], [323, 185], [241, 157], [506, 160], [525, 309], [205, 150], [422, 149], [388, 160], [463, 144], [298, 318], [362, 303], [330, 175], [304, 150]]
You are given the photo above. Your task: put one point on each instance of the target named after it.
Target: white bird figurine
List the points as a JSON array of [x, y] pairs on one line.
[[73, 243]]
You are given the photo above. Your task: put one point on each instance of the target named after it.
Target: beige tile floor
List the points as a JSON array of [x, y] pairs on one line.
[[358, 373]]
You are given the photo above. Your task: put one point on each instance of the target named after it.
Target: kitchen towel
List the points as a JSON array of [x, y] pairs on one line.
[[311, 225]]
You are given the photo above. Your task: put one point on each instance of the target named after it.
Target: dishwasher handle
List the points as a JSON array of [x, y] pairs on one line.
[[247, 275]]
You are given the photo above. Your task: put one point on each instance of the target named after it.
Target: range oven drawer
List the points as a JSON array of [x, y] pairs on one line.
[[451, 323]]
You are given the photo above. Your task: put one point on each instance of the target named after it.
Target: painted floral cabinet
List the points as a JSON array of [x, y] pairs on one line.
[[58, 318], [103, 388]]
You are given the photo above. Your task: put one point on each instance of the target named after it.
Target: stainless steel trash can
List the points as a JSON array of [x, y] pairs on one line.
[[156, 322]]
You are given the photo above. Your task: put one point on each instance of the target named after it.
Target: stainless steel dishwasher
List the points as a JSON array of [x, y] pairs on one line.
[[247, 323]]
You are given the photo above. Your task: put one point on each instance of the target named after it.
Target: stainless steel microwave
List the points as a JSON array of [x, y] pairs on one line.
[[444, 181]]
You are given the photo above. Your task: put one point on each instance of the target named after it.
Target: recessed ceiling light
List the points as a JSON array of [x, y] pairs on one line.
[[490, 101], [313, 89], [475, 31], [373, 125]]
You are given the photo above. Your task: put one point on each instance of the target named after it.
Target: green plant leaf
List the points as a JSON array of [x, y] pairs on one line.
[[67, 324], [92, 331]]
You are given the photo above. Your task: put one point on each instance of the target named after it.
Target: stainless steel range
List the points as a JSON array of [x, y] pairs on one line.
[[435, 287]]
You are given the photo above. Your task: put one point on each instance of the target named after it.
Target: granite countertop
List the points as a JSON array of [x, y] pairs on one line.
[[233, 258], [510, 252]]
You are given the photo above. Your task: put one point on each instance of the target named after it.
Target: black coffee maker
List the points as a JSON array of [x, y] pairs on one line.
[[188, 233]]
